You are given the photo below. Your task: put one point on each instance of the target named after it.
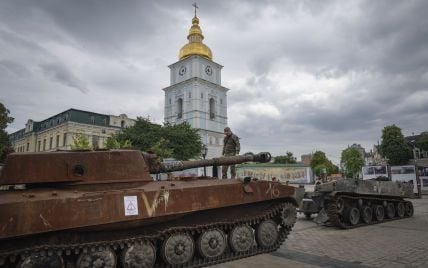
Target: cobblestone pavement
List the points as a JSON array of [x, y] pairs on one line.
[[401, 243]]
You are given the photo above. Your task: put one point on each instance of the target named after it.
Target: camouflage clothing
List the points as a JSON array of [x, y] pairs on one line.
[[231, 147]]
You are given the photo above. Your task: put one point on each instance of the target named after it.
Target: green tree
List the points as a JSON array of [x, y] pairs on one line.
[[80, 142], [184, 140], [5, 119], [353, 162], [143, 135], [113, 143], [422, 142], [180, 141], [394, 147], [288, 158], [320, 161], [162, 149]]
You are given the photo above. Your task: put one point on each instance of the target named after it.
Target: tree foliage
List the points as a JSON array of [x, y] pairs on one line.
[[320, 162], [353, 162], [80, 142], [394, 147], [288, 158], [422, 142], [5, 119], [113, 143], [180, 141]]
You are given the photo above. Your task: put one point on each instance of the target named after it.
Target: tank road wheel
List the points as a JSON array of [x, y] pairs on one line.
[[340, 205], [104, 258], [139, 255], [267, 234], [289, 215], [400, 210], [390, 210], [212, 243], [409, 209], [53, 261], [241, 238], [367, 214], [379, 212], [353, 216], [178, 249]]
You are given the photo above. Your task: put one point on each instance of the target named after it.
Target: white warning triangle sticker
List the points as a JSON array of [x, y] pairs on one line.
[[130, 205]]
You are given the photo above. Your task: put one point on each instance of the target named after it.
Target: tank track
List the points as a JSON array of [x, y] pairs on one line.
[[335, 219], [10, 258]]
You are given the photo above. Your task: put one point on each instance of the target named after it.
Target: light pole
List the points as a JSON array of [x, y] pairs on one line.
[[204, 152], [412, 142]]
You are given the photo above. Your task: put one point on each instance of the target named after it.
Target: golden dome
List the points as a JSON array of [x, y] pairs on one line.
[[195, 45]]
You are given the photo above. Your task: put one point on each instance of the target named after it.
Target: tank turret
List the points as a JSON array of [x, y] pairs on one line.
[[101, 166]]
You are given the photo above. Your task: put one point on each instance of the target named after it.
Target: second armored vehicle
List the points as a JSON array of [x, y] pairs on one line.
[[349, 203], [103, 209]]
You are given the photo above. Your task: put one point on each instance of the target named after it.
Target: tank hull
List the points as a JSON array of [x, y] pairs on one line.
[[66, 221], [350, 203]]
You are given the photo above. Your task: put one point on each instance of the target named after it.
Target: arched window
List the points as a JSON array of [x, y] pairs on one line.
[[180, 108], [122, 123], [212, 108]]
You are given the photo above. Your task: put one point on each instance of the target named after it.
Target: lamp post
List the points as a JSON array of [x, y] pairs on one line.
[[412, 142], [204, 152]]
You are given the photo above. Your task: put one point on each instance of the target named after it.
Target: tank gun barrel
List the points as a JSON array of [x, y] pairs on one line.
[[156, 167]]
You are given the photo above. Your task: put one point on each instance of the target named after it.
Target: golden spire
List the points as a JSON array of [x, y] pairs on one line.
[[195, 45]]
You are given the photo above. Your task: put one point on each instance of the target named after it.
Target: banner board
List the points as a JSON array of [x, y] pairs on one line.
[[283, 173], [405, 174], [372, 172]]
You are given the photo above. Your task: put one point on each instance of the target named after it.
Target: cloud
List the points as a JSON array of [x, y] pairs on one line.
[[61, 74], [303, 75]]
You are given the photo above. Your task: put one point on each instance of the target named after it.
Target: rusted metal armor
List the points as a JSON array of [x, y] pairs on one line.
[[103, 209]]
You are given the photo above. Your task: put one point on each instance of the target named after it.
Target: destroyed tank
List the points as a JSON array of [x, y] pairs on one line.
[[103, 209], [349, 203]]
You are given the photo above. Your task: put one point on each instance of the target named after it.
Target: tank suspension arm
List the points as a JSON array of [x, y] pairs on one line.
[[218, 161]]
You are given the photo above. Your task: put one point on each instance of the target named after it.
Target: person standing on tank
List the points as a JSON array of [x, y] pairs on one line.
[[231, 147]]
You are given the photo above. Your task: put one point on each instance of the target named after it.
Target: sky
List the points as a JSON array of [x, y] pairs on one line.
[[303, 75]]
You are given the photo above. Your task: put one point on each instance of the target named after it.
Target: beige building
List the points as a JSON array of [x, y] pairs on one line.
[[57, 132]]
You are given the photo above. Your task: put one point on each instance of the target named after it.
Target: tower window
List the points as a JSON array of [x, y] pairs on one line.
[[169, 101], [212, 108], [202, 95], [180, 108], [190, 95], [221, 101], [92, 119]]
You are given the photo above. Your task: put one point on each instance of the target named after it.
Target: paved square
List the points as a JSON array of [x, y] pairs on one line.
[[400, 243]]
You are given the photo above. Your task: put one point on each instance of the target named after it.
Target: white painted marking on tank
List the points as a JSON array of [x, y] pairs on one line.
[[45, 222], [160, 196], [150, 209], [273, 190]]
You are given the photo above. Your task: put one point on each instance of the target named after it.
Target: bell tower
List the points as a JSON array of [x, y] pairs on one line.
[[195, 94]]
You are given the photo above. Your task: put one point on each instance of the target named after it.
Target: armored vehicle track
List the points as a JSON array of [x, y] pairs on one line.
[[250, 232], [351, 211]]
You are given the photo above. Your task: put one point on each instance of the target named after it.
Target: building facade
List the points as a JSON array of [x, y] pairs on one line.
[[57, 132], [195, 94]]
